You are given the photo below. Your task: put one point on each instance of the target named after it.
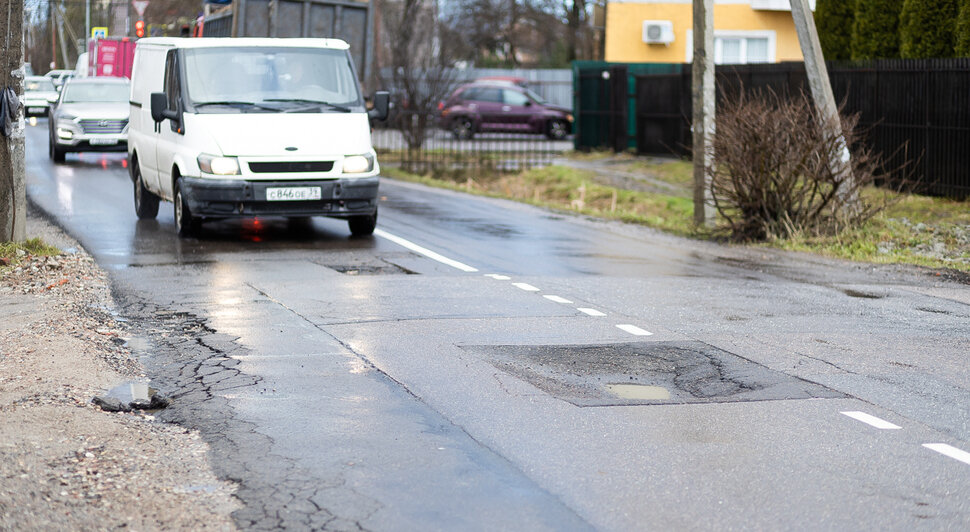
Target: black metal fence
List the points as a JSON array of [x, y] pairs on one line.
[[915, 110], [427, 149]]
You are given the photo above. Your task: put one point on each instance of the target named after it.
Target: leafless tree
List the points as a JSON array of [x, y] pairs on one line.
[[419, 52]]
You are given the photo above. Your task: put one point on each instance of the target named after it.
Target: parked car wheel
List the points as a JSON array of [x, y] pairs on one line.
[[185, 222], [557, 130], [146, 202], [463, 128], [56, 154], [362, 225]]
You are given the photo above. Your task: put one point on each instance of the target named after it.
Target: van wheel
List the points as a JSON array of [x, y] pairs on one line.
[[463, 128], [146, 202], [557, 130], [185, 222], [362, 225]]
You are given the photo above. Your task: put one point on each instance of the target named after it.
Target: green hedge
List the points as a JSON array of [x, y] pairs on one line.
[[834, 19], [963, 30], [875, 33], [927, 28]]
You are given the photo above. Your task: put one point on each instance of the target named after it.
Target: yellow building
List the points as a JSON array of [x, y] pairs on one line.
[[661, 31]]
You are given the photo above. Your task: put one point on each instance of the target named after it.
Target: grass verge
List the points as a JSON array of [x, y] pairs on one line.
[[912, 229], [11, 253]]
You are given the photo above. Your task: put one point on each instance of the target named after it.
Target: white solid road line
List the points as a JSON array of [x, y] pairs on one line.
[[525, 286], [424, 251], [558, 299], [591, 312], [949, 450], [872, 420], [633, 329]]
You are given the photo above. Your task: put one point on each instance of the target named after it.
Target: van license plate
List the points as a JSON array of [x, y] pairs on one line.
[[33, 110], [293, 194], [103, 142]]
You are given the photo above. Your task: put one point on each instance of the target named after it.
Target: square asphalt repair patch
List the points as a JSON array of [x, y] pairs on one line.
[[647, 373]]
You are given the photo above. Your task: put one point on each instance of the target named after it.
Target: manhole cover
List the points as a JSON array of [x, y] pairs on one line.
[[648, 373]]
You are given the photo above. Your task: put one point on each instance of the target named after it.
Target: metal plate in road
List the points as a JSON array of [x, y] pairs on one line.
[[648, 373]]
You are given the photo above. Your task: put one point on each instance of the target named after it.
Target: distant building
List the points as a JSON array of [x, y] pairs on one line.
[[661, 31]]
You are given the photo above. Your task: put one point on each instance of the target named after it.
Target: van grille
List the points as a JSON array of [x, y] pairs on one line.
[[291, 167], [103, 126]]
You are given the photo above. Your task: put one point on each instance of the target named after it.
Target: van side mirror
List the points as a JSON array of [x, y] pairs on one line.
[[159, 105], [382, 101]]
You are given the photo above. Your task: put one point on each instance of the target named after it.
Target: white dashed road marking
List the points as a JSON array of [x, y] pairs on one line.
[[525, 286], [872, 420], [633, 329], [424, 251], [591, 312], [498, 277], [948, 450], [558, 299]]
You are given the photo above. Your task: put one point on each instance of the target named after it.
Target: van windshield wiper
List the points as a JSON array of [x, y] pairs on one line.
[[335, 107], [237, 104]]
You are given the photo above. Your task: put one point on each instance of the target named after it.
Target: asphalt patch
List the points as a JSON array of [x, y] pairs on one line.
[[691, 372]]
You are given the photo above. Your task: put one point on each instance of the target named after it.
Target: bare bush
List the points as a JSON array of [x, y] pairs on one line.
[[776, 173]]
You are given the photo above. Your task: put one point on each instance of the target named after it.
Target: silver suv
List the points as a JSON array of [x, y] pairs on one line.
[[90, 115]]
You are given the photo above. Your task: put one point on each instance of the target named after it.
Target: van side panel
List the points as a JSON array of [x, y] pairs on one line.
[[147, 77]]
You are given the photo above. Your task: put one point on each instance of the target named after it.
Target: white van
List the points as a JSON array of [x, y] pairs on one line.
[[249, 127]]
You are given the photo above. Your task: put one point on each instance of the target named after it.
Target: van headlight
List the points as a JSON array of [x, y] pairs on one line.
[[212, 164], [358, 164]]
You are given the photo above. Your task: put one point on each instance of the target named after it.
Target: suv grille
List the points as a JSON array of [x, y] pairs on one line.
[[291, 167], [103, 126]]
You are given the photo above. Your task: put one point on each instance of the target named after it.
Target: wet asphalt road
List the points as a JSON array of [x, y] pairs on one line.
[[483, 365]]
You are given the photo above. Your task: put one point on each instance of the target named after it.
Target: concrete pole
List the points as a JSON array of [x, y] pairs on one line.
[[703, 94], [821, 87], [13, 201]]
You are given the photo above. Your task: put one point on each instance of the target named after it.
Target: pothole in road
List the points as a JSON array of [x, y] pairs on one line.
[[369, 268], [648, 373]]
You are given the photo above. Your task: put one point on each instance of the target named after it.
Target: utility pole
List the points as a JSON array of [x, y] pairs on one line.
[[703, 95], [13, 202], [818, 83]]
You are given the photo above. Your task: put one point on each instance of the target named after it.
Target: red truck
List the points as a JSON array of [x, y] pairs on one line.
[[111, 57]]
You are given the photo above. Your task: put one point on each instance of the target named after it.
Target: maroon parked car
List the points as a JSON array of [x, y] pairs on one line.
[[483, 107]]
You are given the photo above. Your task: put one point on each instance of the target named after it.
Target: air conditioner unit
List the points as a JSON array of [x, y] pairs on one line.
[[658, 31]]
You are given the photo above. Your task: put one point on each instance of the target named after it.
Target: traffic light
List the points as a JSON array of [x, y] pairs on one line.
[[140, 28]]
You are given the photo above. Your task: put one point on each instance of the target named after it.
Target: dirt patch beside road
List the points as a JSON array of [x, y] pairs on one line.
[[64, 463]]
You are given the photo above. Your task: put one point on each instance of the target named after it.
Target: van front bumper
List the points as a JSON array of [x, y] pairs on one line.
[[223, 198]]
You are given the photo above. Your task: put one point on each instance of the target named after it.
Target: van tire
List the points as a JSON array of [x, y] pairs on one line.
[[362, 225], [146, 202], [185, 223]]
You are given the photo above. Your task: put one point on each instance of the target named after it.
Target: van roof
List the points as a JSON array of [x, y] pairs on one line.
[[216, 42]]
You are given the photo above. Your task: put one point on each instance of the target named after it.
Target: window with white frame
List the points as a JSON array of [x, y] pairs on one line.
[[738, 47]]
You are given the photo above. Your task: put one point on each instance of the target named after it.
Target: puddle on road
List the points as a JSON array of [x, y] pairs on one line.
[[862, 295], [132, 392], [639, 392]]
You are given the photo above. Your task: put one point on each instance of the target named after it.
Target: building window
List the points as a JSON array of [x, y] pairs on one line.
[[738, 47]]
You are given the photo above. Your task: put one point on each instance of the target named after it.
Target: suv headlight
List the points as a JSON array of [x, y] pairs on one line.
[[358, 164], [212, 164]]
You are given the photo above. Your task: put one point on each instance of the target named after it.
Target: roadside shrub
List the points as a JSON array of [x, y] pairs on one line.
[[771, 175]]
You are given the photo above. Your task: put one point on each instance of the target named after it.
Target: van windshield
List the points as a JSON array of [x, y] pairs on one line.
[[251, 79]]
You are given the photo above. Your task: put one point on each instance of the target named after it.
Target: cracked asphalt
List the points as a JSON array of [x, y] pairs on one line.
[[468, 381]]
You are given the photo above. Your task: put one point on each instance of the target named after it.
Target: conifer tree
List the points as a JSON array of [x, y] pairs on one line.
[[963, 30], [875, 32], [833, 18], [927, 28]]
